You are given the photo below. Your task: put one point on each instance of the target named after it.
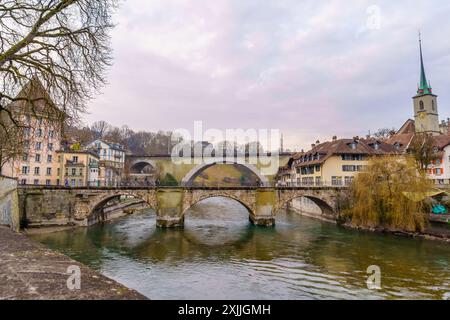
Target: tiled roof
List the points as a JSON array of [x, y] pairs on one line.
[[441, 141], [408, 127], [403, 140], [323, 151]]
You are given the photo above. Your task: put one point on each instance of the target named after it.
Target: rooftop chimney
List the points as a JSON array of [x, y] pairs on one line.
[[334, 138], [313, 145]]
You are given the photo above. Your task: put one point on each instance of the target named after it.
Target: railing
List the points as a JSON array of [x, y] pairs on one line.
[[323, 184]]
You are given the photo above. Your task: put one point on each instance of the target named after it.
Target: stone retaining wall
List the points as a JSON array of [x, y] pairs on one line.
[[9, 203]]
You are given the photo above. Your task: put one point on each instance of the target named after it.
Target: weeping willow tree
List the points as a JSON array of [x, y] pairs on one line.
[[390, 194]]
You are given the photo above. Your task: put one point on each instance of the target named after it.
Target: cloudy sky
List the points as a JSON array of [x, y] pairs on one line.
[[312, 69]]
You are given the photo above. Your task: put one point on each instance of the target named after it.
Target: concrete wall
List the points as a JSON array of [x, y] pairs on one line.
[[9, 203]]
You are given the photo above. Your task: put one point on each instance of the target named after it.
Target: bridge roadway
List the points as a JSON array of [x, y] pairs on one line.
[[42, 206]]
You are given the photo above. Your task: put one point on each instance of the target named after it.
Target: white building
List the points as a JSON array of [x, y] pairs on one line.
[[112, 162], [439, 169]]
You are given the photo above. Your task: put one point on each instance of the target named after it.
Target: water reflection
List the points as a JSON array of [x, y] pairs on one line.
[[220, 255]]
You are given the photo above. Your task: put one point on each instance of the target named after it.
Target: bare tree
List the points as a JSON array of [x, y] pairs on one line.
[[11, 144], [62, 43], [423, 150], [384, 133], [100, 129]]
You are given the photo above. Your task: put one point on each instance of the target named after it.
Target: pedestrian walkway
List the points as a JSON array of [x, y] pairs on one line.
[[28, 270]]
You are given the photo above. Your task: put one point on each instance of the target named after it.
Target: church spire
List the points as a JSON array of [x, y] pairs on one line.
[[424, 86]]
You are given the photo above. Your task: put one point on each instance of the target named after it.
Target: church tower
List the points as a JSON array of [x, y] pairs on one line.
[[425, 103]]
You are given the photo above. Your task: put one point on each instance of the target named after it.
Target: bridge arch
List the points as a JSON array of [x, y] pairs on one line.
[[324, 205], [97, 213], [139, 166], [198, 199], [188, 180]]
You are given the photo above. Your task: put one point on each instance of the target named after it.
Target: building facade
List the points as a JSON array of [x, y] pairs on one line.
[[112, 162], [332, 164], [42, 135], [78, 169]]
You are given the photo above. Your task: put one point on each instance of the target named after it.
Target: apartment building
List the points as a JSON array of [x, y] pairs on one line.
[[78, 169], [334, 163], [112, 162], [42, 134]]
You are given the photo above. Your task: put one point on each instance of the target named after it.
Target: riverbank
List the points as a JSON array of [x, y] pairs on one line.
[[30, 271], [438, 229], [428, 234]]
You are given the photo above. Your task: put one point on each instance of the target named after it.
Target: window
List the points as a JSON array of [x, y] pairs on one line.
[[49, 158], [49, 171], [352, 157], [25, 170], [39, 133], [318, 181], [23, 182], [317, 168], [25, 157], [81, 171], [38, 145], [74, 171], [26, 144], [50, 146], [421, 105], [36, 182], [51, 134], [308, 182], [80, 183], [73, 183], [58, 182], [349, 180], [336, 181], [75, 159], [58, 171], [348, 168], [48, 182], [37, 158], [433, 105], [37, 171]]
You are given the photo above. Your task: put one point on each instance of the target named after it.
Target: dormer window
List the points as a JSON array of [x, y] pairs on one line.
[[353, 145], [397, 146], [376, 146]]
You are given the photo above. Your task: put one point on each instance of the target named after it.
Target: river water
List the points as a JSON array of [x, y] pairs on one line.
[[220, 255]]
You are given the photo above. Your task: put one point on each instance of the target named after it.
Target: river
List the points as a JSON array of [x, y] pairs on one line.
[[220, 255]]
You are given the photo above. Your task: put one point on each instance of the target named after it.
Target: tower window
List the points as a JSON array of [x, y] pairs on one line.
[[422, 106], [432, 105]]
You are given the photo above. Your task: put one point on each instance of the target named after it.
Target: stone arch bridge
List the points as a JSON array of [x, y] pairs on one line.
[[40, 206], [140, 167]]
